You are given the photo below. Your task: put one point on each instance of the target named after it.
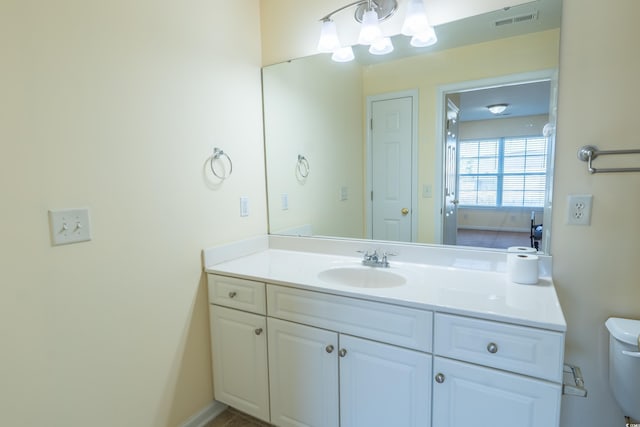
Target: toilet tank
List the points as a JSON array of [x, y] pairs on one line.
[[624, 364]]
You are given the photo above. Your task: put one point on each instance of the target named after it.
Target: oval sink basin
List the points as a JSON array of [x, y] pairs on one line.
[[362, 277]]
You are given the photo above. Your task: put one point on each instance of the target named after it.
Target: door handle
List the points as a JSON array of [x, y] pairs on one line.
[[404, 211]]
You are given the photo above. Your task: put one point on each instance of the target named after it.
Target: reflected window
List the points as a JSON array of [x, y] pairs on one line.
[[502, 172]]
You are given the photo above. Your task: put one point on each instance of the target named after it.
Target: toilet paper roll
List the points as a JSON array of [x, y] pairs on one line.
[[522, 250], [522, 268]]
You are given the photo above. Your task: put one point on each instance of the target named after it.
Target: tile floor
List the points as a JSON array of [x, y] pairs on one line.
[[234, 418]]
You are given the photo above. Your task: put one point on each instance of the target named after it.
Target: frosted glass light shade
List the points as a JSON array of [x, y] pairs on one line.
[[381, 46], [424, 39], [370, 30], [415, 21], [329, 41], [343, 54], [497, 108]]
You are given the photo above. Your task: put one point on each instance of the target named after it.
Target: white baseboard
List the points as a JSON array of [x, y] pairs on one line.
[[483, 228], [206, 415]]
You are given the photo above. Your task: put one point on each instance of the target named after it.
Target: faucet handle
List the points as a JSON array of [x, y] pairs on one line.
[[366, 254]]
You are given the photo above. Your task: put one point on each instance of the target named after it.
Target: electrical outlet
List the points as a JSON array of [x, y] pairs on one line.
[[579, 209]]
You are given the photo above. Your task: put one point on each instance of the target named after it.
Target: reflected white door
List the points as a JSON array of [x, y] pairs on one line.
[[391, 169], [450, 206]]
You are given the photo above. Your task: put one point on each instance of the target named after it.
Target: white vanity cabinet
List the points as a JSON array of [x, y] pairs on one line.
[[503, 375], [303, 370], [344, 361], [239, 344], [302, 356]]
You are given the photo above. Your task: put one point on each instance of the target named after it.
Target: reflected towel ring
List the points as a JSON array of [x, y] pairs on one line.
[[303, 166], [217, 154]]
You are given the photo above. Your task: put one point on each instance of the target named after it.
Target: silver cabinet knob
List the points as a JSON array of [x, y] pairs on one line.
[[329, 348], [342, 352], [232, 294], [258, 331], [440, 378], [492, 347]]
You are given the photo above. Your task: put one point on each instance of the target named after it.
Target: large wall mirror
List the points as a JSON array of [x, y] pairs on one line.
[[402, 147]]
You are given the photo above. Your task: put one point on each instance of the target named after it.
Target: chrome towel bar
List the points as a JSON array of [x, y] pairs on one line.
[[575, 387], [588, 152]]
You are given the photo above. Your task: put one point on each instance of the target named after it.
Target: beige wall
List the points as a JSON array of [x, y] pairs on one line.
[[532, 52], [303, 117], [507, 126], [596, 268], [115, 106]]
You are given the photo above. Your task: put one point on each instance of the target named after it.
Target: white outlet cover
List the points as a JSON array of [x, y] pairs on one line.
[[69, 226], [579, 209]]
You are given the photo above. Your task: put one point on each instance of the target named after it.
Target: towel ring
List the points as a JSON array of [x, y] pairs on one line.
[[303, 166], [217, 154]]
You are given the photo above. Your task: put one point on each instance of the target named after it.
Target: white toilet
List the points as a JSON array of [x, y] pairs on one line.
[[624, 364]]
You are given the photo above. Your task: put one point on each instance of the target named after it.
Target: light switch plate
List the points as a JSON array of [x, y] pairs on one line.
[[344, 193], [426, 191], [244, 206], [69, 226]]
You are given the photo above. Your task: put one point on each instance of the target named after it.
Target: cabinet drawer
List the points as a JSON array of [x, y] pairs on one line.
[[237, 293], [402, 326], [521, 349]]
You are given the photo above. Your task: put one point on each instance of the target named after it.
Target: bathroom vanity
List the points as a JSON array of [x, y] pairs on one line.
[[303, 334]]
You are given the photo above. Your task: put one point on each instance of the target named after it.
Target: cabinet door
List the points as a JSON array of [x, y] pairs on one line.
[[239, 351], [303, 373], [383, 385], [471, 395]]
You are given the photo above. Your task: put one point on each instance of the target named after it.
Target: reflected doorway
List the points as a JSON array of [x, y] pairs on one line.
[[494, 191]]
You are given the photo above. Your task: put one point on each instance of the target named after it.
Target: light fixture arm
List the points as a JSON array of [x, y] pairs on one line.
[[355, 3]]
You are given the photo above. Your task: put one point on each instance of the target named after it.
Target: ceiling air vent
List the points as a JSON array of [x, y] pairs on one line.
[[533, 16]]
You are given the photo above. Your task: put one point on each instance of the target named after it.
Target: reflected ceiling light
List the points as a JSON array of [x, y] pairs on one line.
[[370, 13], [497, 108]]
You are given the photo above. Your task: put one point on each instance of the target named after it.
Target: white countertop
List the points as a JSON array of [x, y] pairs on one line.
[[482, 293]]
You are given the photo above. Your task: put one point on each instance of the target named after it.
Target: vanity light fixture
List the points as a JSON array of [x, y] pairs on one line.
[[370, 13], [497, 108]]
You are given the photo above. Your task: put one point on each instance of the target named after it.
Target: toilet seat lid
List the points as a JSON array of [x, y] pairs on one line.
[[625, 330]]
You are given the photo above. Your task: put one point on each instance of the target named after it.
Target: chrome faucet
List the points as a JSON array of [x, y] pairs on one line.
[[374, 259]]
